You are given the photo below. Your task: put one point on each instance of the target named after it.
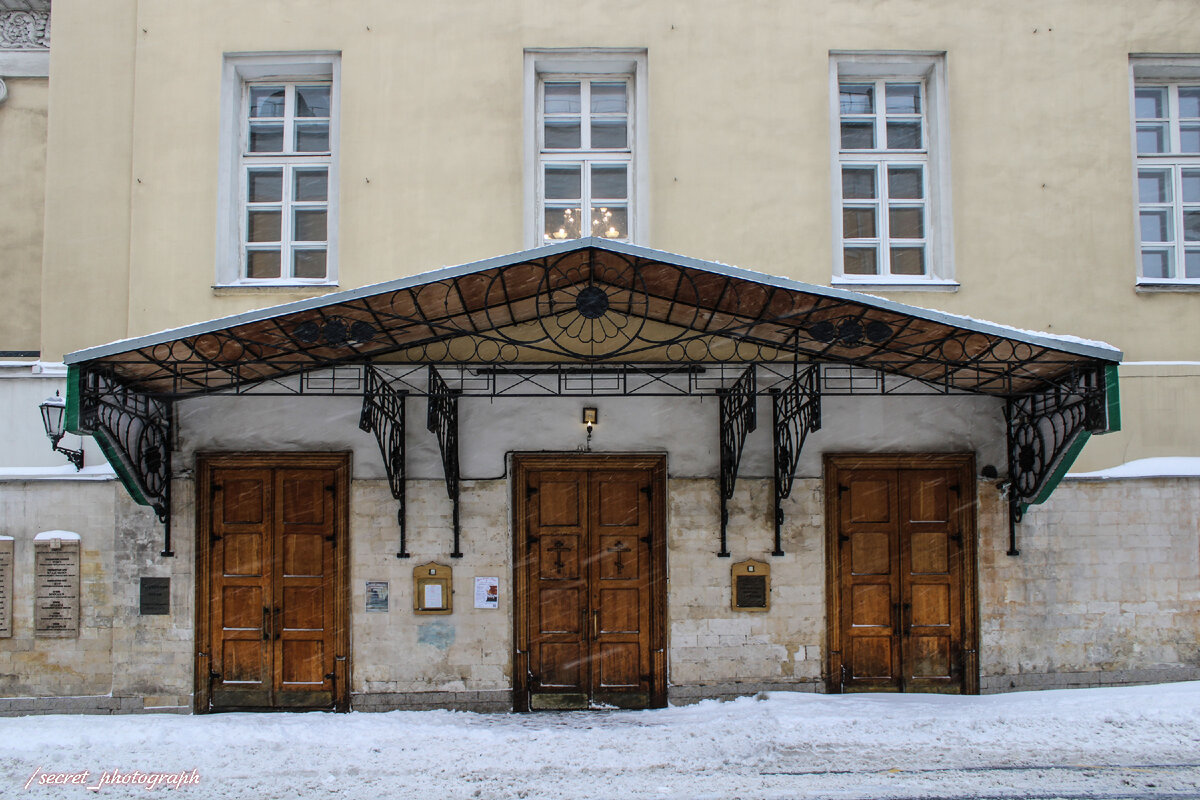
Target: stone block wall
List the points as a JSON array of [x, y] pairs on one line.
[[714, 650], [464, 660], [121, 661], [404, 660], [1106, 589]]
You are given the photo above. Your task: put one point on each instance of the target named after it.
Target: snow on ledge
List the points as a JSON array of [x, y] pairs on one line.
[[46, 536], [6, 538], [1162, 467], [65, 472]]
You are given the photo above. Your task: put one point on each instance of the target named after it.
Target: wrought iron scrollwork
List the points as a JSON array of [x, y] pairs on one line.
[[443, 420], [1043, 429], [739, 416], [383, 415], [134, 431], [796, 410]]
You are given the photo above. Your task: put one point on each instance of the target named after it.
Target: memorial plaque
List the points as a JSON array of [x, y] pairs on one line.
[[751, 591], [751, 586], [56, 581], [155, 596], [6, 586]]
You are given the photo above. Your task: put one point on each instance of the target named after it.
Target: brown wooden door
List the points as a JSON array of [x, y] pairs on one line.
[[902, 569], [588, 587], [273, 597]]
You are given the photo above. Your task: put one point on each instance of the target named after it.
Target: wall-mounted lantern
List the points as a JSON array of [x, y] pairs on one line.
[[590, 417], [53, 410]]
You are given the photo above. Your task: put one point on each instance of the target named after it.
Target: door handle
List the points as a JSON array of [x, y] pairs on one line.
[[266, 624], [596, 624], [278, 626]]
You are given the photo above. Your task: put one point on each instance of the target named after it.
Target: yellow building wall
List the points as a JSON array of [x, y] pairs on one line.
[[22, 198], [431, 158]]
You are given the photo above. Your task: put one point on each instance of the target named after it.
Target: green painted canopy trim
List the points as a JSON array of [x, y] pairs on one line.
[[1064, 464], [71, 420], [119, 465], [1112, 396], [111, 452], [1112, 390]]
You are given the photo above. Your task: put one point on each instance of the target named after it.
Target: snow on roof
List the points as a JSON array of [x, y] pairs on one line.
[[1162, 467]]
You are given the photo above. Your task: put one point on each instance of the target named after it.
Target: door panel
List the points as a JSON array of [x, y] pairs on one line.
[[559, 586], [589, 586], [900, 576], [272, 569], [241, 593], [620, 586], [871, 592], [303, 578], [931, 580]]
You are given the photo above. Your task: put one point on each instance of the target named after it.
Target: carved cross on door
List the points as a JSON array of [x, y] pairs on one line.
[[558, 548], [619, 548]]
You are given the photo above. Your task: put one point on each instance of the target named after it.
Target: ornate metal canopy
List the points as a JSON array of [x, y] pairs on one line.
[[599, 313], [593, 301]]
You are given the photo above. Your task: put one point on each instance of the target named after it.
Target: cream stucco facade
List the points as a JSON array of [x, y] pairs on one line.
[[115, 223], [738, 159]]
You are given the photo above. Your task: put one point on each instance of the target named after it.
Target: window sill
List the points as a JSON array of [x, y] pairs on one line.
[[1149, 287], [310, 289], [934, 285]]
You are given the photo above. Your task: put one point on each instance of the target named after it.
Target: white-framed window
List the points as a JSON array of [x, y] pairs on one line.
[[278, 194], [585, 133], [1167, 143], [891, 193]]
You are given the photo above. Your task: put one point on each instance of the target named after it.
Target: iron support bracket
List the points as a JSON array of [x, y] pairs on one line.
[[796, 411], [1045, 432], [383, 415], [739, 416], [134, 431], [443, 420]]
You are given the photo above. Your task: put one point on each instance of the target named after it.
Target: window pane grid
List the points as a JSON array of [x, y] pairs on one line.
[[885, 219], [286, 220], [1167, 136], [584, 180], [882, 116]]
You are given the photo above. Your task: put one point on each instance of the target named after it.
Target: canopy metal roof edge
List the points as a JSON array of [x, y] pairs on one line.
[[1095, 350]]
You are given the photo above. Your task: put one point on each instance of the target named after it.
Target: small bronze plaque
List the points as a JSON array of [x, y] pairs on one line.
[[155, 596], [752, 591]]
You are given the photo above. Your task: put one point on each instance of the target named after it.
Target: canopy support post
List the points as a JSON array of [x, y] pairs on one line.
[[1045, 433], [383, 415], [443, 420], [739, 416], [796, 412]]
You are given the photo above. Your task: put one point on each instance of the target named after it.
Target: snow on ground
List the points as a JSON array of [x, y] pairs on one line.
[[1133, 742]]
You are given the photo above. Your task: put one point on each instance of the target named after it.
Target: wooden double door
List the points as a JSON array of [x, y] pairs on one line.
[[902, 576], [272, 545], [590, 578]]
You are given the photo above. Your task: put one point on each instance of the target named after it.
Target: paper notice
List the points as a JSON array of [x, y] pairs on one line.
[[487, 592]]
